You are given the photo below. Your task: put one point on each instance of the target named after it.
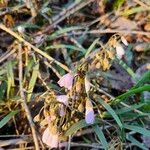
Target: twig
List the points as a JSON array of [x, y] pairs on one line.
[[141, 3], [14, 141], [53, 69], [25, 148], [25, 106], [113, 31], [66, 13], [3, 27], [32, 5], [16, 8], [6, 55], [94, 145], [69, 143]]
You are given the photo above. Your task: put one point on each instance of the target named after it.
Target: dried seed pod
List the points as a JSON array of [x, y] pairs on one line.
[[81, 108], [98, 65]]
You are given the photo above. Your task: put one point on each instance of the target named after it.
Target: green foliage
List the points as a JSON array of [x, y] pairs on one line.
[[117, 4], [111, 111], [33, 79], [101, 136], [6, 119]]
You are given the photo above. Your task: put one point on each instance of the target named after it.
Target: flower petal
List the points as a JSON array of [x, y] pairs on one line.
[[124, 41], [89, 116], [89, 113], [120, 51], [63, 99], [66, 81], [50, 139]]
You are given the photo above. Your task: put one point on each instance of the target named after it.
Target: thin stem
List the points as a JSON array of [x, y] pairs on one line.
[[25, 106], [3, 27]]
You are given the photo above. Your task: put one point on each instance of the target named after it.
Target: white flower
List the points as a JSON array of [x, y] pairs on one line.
[[124, 41], [21, 29], [119, 51]]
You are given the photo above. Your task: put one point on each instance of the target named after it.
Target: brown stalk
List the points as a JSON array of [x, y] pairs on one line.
[[3, 27], [24, 103]]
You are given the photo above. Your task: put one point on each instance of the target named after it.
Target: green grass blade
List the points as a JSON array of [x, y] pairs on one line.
[[7, 118], [79, 125], [66, 46], [137, 129], [62, 31], [135, 142], [111, 111], [127, 68], [10, 78], [131, 92], [134, 10], [91, 47], [125, 110], [32, 81], [144, 79], [101, 136]]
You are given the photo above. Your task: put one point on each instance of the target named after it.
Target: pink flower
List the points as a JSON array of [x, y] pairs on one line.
[[63, 99], [66, 81], [50, 139], [89, 113]]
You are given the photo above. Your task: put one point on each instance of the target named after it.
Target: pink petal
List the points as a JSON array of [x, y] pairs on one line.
[[63, 99], [89, 116], [66, 81], [63, 144], [89, 113], [50, 139]]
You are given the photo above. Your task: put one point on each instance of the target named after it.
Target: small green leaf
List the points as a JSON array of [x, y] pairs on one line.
[[33, 81], [144, 79], [135, 142], [7, 118], [138, 129], [101, 136], [131, 92], [3, 88], [133, 10], [91, 47], [79, 125], [111, 111], [66, 46], [62, 31]]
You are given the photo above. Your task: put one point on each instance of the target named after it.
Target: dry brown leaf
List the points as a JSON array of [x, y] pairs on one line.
[[140, 47], [124, 23], [147, 27], [8, 21]]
